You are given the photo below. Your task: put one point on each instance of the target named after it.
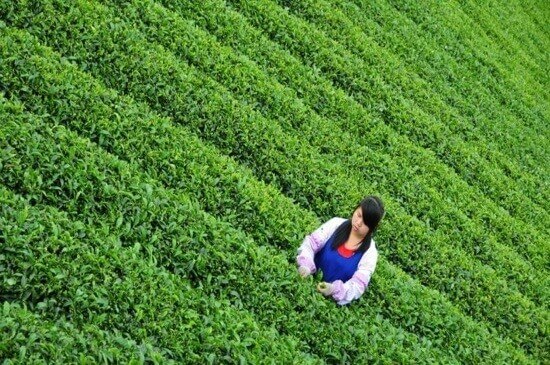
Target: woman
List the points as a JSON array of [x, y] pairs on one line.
[[343, 249]]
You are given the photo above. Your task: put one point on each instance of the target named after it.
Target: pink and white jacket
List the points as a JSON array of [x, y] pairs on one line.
[[352, 289]]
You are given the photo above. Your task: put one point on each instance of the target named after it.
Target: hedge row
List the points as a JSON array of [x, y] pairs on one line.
[[28, 338], [231, 28], [267, 6], [473, 35], [92, 281], [536, 12], [449, 43], [324, 17], [175, 172], [114, 281], [520, 45], [522, 60], [461, 78], [375, 137], [89, 275], [250, 85], [469, 35], [383, 97], [435, 100], [56, 167], [427, 265], [172, 33], [250, 153], [173, 165], [276, 103]]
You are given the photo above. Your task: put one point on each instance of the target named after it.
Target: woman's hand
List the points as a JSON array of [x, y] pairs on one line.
[[325, 288], [304, 271]]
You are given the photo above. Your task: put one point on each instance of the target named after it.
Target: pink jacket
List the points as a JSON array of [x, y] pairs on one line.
[[352, 289]]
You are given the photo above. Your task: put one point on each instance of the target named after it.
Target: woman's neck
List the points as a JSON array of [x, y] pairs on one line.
[[353, 241]]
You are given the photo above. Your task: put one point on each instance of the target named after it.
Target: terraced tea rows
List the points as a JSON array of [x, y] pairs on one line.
[[162, 161]]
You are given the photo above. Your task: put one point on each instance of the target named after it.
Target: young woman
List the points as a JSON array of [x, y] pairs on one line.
[[344, 250]]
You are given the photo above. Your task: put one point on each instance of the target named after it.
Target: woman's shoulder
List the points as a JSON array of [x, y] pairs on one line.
[[336, 220], [329, 226], [372, 252], [373, 246], [333, 223]]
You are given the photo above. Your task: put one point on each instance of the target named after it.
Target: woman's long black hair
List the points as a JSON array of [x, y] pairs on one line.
[[373, 211]]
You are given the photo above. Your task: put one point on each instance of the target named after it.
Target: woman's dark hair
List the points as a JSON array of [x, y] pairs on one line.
[[372, 209]]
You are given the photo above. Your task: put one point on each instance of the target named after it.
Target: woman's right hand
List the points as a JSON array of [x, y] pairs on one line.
[[304, 271]]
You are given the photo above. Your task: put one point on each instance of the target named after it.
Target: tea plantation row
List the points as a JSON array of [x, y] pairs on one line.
[[161, 162], [479, 306]]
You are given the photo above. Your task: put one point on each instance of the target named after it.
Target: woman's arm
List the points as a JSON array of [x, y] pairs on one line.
[[352, 289], [314, 242]]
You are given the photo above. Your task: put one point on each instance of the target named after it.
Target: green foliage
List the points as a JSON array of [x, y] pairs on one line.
[[170, 231], [27, 337], [179, 170], [461, 137], [246, 80], [224, 26], [167, 159], [105, 275]]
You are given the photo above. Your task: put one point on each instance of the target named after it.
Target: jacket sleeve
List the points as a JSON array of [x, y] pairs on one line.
[[352, 289], [314, 242]]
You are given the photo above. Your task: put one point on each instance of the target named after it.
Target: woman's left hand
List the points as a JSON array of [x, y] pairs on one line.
[[325, 288]]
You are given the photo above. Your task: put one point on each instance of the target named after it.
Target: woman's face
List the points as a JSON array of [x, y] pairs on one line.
[[357, 225]]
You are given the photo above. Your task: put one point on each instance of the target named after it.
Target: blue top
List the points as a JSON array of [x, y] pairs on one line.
[[335, 266]]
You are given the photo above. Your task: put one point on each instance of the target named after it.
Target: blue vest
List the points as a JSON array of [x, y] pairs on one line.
[[333, 265]]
